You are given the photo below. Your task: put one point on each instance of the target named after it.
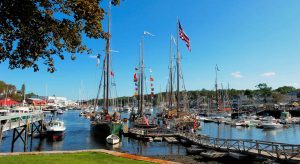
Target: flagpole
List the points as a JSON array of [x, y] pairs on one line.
[[178, 68]]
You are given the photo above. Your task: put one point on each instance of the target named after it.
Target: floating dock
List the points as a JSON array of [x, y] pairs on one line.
[[171, 139]]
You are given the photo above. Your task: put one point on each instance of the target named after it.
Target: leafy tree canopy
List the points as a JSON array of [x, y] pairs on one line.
[[264, 89], [285, 89], [32, 30]]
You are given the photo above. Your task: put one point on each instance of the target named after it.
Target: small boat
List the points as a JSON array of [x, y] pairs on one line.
[[271, 123], [208, 120], [59, 111], [55, 129], [112, 139], [81, 114]]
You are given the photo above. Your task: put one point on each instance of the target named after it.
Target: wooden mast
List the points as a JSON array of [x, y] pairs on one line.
[[216, 85], [107, 61], [171, 75], [142, 77], [139, 80], [178, 69]]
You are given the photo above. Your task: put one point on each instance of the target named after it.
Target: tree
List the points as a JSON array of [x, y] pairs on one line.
[[23, 89], [285, 89], [248, 93], [264, 90], [277, 96], [34, 30], [31, 95]]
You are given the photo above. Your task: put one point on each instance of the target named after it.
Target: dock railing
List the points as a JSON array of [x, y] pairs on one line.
[[253, 147], [18, 120]]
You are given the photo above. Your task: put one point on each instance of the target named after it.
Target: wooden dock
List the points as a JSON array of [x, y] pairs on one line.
[[280, 151], [20, 124], [151, 132], [171, 139]]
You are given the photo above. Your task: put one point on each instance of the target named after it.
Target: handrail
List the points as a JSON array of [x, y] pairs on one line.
[[266, 148]]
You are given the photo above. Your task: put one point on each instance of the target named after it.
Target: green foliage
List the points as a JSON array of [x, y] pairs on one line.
[[264, 89], [67, 158], [249, 93], [11, 91], [33, 30], [31, 95], [285, 89], [277, 96], [7, 89], [23, 89]]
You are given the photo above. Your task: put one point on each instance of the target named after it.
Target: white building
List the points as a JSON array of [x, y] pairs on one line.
[[58, 101]]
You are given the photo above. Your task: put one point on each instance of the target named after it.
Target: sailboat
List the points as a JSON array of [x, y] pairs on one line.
[[103, 123], [140, 119], [179, 110]]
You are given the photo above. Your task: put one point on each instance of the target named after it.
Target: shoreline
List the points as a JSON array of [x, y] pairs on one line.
[[114, 153]]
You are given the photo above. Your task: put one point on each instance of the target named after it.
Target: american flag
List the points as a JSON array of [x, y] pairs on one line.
[[184, 37]]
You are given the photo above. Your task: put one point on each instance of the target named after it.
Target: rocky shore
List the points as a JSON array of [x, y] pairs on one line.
[[197, 159]]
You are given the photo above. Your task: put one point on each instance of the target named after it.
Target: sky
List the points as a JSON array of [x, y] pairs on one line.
[[251, 41]]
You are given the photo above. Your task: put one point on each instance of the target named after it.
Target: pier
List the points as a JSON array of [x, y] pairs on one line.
[[20, 124], [274, 150]]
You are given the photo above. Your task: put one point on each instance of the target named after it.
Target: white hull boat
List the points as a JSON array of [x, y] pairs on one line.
[[271, 123], [55, 129], [112, 139]]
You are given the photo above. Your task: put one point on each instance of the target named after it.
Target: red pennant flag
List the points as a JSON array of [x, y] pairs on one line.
[[151, 78], [112, 74]]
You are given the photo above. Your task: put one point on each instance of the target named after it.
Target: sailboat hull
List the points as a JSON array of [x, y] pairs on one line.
[[104, 129]]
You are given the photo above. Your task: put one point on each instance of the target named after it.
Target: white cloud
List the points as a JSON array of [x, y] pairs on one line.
[[268, 74], [237, 74]]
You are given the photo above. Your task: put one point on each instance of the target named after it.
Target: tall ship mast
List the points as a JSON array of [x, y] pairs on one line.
[[104, 124], [171, 74]]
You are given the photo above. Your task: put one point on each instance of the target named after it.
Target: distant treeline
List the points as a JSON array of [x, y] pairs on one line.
[[261, 90]]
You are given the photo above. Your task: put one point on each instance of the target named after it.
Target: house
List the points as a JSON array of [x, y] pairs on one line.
[[8, 102]]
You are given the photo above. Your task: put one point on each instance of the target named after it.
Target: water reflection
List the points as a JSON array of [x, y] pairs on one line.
[[78, 136], [287, 135]]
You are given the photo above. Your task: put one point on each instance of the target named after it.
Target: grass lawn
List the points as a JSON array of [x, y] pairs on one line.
[[71, 158]]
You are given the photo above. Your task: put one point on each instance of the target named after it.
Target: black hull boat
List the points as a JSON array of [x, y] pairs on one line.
[[101, 129]]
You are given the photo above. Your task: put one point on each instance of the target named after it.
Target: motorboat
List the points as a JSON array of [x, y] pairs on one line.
[[271, 123], [112, 139], [55, 129]]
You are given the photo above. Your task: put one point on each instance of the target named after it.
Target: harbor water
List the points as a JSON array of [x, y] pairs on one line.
[[289, 135], [78, 136]]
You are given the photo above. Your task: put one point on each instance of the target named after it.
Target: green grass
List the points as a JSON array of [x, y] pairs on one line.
[[72, 158]]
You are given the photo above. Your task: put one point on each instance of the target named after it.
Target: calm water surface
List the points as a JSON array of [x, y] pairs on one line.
[[289, 135], [78, 136]]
